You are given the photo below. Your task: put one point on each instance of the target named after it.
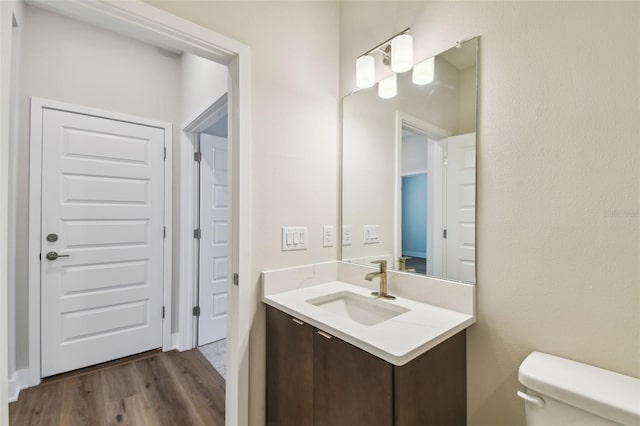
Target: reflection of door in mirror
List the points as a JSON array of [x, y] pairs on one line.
[[460, 208]]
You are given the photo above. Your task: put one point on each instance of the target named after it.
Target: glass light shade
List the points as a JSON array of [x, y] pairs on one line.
[[424, 72], [402, 53], [388, 87], [365, 72]]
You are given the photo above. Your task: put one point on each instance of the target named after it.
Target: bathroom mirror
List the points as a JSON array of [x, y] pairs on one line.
[[409, 171]]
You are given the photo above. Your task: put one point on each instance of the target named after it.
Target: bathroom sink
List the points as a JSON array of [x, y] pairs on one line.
[[355, 307]]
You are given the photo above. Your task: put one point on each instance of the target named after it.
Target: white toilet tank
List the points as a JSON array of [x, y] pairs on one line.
[[561, 392]]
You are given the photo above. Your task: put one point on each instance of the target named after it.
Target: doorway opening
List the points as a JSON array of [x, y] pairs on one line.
[[149, 25], [209, 134]]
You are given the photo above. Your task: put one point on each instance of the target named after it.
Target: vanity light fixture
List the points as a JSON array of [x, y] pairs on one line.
[[402, 53], [424, 72], [365, 72], [396, 52], [388, 87]]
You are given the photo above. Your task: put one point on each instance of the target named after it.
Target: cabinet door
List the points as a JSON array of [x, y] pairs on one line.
[[352, 387], [431, 390], [289, 370]]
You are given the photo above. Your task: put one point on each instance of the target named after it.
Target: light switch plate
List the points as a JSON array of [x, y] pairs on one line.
[[294, 238], [371, 234], [346, 235], [328, 236]]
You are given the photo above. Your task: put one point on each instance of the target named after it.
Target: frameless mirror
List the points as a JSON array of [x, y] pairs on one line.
[[409, 171]]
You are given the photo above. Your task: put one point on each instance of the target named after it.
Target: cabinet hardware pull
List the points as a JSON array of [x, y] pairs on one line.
[[297, 321], [323, 334]]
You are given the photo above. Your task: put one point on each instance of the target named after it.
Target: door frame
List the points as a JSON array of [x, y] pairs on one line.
[[430, 130], [38, 105], [147, 23], [189, 246]]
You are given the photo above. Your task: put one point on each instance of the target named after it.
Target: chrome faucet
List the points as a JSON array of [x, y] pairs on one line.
[[382, 273]]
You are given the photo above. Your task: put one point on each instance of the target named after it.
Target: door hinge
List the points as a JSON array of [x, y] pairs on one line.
[[165, 152], [40, 256], [163, 311], [197, 156], [196, 311], [164, 232], [235, 279], [197, 233], [444, 233]]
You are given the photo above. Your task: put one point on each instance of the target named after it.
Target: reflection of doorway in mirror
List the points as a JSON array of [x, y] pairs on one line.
[[414, 223], [420, 192]]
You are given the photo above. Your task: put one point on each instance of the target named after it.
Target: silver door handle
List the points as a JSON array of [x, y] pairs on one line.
[[52, 255]]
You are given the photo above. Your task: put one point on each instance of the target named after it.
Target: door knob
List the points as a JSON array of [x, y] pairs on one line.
[[52, 255]]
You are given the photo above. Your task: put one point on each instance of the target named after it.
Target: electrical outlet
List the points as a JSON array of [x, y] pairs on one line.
[[294, 238], [328, 236], [346, 235]]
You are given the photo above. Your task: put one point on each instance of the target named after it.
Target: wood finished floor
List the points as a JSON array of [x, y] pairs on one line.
[[163, 388]]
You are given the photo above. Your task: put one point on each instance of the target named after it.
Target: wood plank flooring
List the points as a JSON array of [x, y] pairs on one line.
[[156, 389]]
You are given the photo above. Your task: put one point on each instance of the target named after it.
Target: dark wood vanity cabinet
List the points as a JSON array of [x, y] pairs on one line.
[[289, 370], [314, 379], [351, 386]]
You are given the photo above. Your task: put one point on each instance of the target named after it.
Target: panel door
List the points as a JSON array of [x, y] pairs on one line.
[[103, 197], [461, 208], [214, 241]]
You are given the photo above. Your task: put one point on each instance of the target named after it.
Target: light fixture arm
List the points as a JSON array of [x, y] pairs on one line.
[[382, 47]]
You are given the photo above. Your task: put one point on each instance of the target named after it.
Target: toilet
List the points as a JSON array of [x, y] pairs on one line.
[[561, 392]]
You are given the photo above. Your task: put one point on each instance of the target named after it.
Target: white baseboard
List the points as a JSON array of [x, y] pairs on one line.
[[19, 381]]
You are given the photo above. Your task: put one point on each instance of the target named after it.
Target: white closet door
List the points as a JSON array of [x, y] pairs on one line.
[[103, 197], [214, 241], [461, 208]]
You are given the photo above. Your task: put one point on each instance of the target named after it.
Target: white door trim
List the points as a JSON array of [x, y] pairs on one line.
[[189, 214], [38, 106], [157, 27]]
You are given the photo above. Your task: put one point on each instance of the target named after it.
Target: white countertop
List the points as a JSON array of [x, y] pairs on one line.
[[397, 340]]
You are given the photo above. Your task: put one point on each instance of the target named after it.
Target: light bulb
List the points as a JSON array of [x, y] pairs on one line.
[[424, 72], [365, 72], [402, 53], [388, 87]]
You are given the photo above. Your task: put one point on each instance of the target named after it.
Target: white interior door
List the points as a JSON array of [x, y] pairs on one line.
[[214, 245], [461, 208], [103, 197]]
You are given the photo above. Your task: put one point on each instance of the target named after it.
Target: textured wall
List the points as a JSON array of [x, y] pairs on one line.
[[558, 228]]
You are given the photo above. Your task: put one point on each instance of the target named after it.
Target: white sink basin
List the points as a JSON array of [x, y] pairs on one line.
[[361, 309]]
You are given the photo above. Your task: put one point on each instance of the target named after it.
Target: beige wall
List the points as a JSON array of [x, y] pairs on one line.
[[558, 227], [294, 59]]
